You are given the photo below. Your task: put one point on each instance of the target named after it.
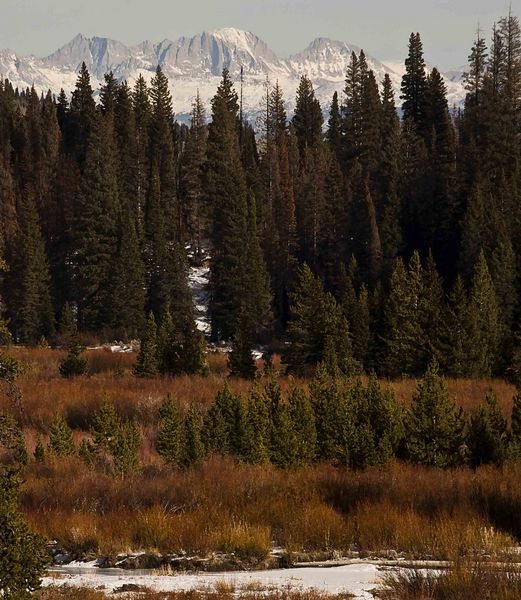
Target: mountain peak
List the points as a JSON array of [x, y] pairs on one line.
[[197, 62]]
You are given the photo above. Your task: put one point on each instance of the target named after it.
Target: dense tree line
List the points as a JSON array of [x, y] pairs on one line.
[[342, 420], [379, 240]]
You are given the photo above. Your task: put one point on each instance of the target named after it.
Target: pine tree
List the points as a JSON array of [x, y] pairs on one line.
[[32, 313], [169, 435], [127, 281], [80, 116], [434, 425], [455, 333], [240, 360], [61, 442], [194, 203], [414, 83], [403, 335], [226, 190], [192, 451], [95, 228], [256, 447], [307, 120], [147, 360], [117, 438], [487, 434], [74, 364], [334, 128], [303, 419], [24, 555], [162, 149], [283, 441], [318, 331], [484, 315]]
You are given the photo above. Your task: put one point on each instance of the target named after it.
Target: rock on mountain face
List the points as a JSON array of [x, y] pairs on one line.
[[196, 63]]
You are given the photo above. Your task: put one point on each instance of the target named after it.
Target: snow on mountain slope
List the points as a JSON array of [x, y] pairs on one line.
[[195, 63]]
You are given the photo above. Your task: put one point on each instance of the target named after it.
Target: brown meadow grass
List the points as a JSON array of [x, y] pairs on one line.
[[235, 508], [243, 509], [45, 393]]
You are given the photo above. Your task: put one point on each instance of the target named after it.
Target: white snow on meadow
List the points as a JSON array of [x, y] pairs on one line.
[[358, 579]]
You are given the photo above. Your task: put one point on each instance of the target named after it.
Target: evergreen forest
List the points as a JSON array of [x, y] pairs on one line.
[[376, 234]]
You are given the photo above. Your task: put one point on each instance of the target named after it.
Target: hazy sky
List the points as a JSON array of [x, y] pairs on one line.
[[381, 27]]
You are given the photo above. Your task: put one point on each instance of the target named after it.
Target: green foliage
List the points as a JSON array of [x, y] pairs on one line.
[[181, 347], [192, 450], [318, 331], [485, 328], [10, 368], [256, 443], [223, 426], [240, 360], [146, 364], [169, 435], [487, 434], [74, 364], [29, 280], [434, 425], [304, 428], [12, 439], [24, 555], [117, 438], [61, 442]]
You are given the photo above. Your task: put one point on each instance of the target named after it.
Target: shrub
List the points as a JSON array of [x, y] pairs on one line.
[[74, 364]]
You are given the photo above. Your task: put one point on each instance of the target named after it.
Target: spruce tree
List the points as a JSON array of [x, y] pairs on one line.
[[95, 227], [192, 450], [487, 434], [162, 150], [195, 208], [240, 360], [24, 555], [403, 335], [303, 419], [127, 281], [435, 424], [80, 116], [334, 128], [485, 325], [169, 435], [73, 364], [32, 313], [414, 83], [61, 442], [456, 335], [317, 331], [307, 120], [147, 360], [226, 188], [284, 441], [256, 447]]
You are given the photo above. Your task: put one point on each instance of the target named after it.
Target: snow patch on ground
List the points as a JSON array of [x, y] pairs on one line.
[[198, 278], [358, 579]]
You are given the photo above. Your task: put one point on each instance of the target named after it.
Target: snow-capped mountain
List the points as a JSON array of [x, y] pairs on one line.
[[195, 63]]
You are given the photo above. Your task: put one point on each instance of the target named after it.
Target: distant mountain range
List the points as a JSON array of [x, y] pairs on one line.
[[195, 63]]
